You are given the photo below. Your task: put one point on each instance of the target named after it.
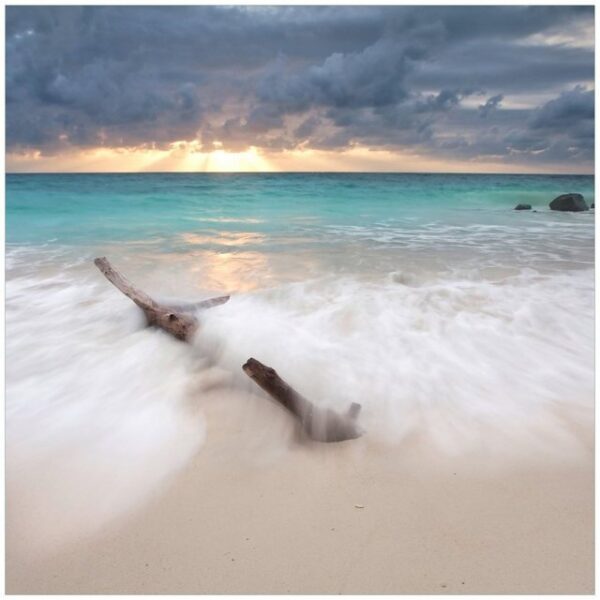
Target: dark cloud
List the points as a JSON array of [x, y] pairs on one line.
[[372, 77], [559, 131], [510, 67], [491, 104], [307, 128], [571, 109], [445, 100], [568, 121], [311, 77]]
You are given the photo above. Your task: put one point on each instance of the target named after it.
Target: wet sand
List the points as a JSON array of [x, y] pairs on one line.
[[250, 514]]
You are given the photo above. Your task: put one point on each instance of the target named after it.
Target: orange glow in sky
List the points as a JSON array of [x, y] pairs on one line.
[[184, 157]]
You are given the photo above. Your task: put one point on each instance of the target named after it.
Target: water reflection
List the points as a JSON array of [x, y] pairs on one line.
[[224, 238], [228, 220], [232, 271]]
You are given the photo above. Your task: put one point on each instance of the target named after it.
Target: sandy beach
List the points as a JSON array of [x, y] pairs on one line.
[[300, 299], [264, 513]]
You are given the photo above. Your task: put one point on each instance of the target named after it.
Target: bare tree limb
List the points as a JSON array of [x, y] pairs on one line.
[[200, 305], [174, 319], [318, 424]]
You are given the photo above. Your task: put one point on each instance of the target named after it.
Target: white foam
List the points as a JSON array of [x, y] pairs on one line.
[[457, 359], [100, 411], [97, 412]]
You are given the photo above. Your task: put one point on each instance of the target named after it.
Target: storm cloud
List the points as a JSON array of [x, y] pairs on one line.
[[508, 82]]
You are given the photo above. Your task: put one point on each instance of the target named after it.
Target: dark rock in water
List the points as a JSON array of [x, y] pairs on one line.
[[523, 207], [569, 202]]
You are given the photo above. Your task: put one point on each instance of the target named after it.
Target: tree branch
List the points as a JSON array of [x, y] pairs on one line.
[[318, 424]]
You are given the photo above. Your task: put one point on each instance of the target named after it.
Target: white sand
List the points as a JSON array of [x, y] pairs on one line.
[[249, 515]]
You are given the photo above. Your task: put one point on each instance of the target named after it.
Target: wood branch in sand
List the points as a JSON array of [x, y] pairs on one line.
[[178, 320], [318, 424]]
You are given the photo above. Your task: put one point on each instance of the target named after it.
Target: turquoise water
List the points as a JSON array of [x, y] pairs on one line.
[[83, 209], [425, 298], [321, 223]]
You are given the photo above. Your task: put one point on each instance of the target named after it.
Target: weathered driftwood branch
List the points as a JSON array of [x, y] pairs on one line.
[[318, 424], [177, 320], [200, 305]]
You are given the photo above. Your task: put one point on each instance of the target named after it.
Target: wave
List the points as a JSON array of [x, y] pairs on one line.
[[95, 401]]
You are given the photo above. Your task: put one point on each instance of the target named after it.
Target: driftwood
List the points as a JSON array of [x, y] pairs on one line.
[[318, 424], [178, 320]]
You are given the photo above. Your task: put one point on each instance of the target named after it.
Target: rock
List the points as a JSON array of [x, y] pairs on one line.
[[523, 207], [569, 202], [592, 205]]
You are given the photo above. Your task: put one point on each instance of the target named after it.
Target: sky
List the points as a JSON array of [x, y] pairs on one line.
[[312, 88]]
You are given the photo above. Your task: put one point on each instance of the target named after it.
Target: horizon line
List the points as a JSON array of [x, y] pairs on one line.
[[536, 174]]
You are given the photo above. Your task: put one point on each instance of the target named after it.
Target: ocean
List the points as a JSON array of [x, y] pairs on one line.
[[425, 298]]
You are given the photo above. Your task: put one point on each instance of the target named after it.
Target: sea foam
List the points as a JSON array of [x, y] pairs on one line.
[[101, 411]]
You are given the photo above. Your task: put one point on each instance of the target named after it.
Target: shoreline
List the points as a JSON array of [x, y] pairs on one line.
[[349, 518]]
